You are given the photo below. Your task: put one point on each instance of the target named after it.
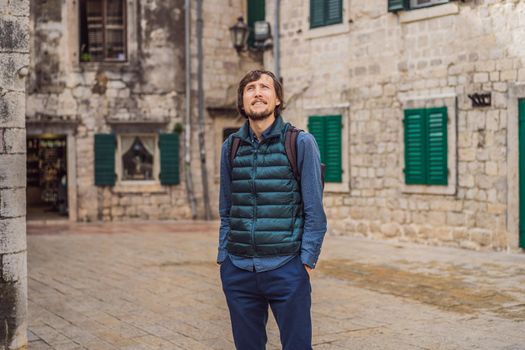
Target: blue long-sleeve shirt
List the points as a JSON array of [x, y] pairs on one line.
[[309, 164]]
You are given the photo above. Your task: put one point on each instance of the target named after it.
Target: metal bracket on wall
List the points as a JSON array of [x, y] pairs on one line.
[[481, 100]]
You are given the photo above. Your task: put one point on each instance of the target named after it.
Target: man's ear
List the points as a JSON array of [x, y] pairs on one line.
[[278, 102]]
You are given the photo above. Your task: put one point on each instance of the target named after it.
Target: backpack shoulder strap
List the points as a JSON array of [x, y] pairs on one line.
[[236, 142], [290, 146]]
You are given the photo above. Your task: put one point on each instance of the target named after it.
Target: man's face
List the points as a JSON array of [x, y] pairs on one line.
[[259, 98]]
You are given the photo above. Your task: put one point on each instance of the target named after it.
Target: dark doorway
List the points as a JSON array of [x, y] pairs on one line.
[[47, 177]]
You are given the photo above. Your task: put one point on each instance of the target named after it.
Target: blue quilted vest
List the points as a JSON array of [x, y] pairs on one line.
[[266, 217]]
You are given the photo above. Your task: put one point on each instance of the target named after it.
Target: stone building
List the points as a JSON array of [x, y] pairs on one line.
[[14, 61], [106, 103], [416, 106], [414, 103]]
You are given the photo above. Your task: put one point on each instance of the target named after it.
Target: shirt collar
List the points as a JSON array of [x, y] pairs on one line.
[[266, 132]]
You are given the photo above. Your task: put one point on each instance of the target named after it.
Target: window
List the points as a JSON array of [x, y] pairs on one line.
[[397, 5], [325, 12], [256, 12], [425, 134], [102, 30], [137, 154], [327, 133], [141, 158]]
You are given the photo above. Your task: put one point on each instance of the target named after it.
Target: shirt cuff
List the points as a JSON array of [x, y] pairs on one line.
[[221, 256], [309, 260]]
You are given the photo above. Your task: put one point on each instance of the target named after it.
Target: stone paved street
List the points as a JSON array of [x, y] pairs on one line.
[[156, 286]]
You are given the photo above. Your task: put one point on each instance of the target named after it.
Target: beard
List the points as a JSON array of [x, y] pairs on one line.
[[255, 116]]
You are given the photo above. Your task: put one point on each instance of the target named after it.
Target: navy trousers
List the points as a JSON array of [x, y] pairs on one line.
[[288, 293]]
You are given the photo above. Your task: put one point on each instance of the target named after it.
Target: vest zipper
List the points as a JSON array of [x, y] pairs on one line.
[[254, 191]]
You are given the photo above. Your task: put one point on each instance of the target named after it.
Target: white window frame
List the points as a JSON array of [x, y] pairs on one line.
[[344, 111], [329, 30], [449, 101]]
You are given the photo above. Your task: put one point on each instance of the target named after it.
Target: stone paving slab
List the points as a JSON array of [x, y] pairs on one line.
[[155, 285]]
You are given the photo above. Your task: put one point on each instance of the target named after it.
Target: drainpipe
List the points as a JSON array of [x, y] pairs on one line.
[[202, 139], [187, 122], [276, 41]]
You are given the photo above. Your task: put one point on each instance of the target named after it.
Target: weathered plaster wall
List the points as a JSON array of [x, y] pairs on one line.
[[145, 93], [370, 69], [14, 59]]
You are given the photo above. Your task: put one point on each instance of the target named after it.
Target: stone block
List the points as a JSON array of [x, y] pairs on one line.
[[10, 64], [481, 77], [13, 237], [390, 230], [460, 233], [13, 170], [12, 109], [15, 8], [15, 140], [12, 202], [468, 244], [482, 237], [509, 75], [491, 168], [455, 219], [14, 267], [494, 76], [14, 33]]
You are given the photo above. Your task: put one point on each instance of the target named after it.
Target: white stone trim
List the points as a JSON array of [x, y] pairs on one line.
[[516, 92], [451, 104], [329, 30], [72, 206], [419, 14]]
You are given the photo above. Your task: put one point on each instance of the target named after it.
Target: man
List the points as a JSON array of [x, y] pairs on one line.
[[272, 226]]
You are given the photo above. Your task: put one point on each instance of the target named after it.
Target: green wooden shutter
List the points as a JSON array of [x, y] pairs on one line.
[[333, 11], [317, 13], [105, 159], [436, 146], [332, 151], [316, 128], [169, 159], [256, 12], [397, 5], [521, 170], [415, 160], [327, 133]]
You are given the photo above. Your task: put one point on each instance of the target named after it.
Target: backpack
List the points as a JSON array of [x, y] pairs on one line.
[[290, 146]]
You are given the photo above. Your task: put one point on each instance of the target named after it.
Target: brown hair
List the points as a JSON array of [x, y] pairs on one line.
[[256, 75]]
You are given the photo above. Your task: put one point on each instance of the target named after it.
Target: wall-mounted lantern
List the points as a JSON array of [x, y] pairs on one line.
[[261, 33], [239, 34]]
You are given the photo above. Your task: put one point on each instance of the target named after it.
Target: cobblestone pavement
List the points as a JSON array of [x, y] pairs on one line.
[[156, 286]]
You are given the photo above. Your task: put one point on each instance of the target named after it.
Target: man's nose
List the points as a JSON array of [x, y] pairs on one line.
[[258, 91]]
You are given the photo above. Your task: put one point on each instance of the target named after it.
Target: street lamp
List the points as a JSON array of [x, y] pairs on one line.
[[239, 34]]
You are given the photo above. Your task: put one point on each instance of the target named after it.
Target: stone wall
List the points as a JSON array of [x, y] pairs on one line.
[[14, 59], [375, 65], [146, 93]]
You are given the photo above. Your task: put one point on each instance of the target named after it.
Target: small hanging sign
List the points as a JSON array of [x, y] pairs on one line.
[[481, 100]]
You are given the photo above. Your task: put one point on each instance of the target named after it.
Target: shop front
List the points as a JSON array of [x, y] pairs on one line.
[[47, 177]]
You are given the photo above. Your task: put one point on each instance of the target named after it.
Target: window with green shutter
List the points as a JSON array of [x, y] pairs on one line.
[[105, 159], [169, 159], [327, 131], [256, 12], [426, 160], [325, 12], [398, 5]]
